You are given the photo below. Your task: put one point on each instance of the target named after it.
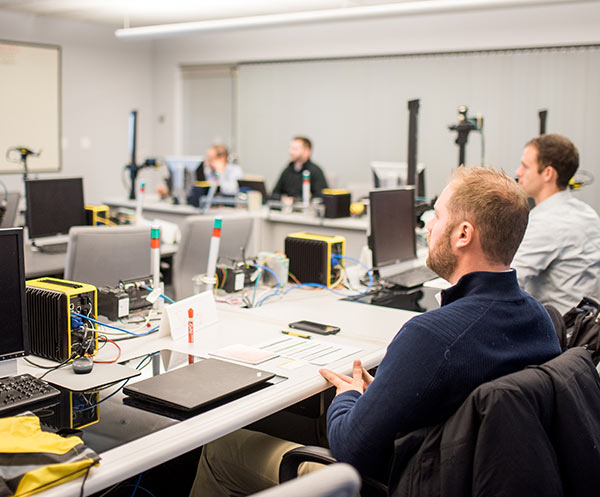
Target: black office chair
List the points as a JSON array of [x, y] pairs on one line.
[[535, 432]]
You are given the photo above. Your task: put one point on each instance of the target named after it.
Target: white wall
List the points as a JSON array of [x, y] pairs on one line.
[[102, 80], [504, 28]]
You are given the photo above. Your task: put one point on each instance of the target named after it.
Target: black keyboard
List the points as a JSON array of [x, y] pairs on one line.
[[57, 248], [413, 277], [18, 392]]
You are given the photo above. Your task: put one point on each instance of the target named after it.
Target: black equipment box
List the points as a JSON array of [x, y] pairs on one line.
[[336, 202]]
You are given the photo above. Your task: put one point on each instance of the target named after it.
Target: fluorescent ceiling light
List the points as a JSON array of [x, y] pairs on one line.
[[330, 15]]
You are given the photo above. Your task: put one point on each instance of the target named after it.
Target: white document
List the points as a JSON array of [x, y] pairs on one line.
[[174, 320], [311, 351]]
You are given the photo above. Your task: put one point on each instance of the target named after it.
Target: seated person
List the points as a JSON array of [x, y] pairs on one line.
[[486, 327], [558, 261], [290, 181], [215, 169]]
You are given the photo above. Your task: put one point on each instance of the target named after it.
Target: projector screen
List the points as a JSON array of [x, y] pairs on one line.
[[30, 106]]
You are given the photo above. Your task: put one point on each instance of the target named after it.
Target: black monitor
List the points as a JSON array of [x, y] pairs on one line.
[[13, 304], [54, 205], [392, 239]]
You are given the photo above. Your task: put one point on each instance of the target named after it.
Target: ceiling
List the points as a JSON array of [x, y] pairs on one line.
[[133, 13]]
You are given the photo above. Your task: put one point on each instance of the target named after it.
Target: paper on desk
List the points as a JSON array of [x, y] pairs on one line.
[[312, 351], [244, 353], [174, 319]]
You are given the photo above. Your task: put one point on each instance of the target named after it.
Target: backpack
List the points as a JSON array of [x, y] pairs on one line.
[[579, 327]]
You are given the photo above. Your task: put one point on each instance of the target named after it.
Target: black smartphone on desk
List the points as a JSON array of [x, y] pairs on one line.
[[319, 328]]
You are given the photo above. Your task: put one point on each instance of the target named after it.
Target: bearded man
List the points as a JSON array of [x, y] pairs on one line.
[[486, 327]]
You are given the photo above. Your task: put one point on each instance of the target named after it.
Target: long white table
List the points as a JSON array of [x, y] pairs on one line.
[[369, 328], [273, 226]]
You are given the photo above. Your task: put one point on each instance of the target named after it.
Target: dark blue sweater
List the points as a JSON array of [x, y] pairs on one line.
[[487, 327]]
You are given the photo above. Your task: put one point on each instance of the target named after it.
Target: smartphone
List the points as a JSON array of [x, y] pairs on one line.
[[319, 328]]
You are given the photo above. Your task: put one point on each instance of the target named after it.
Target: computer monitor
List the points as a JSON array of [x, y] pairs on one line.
[[392, 239], [13, 304], [12, 206], [253, 184], [393, 174], [389, 174], [54, 205]]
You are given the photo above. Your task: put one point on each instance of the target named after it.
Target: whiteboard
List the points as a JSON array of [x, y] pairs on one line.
[[30, 105]]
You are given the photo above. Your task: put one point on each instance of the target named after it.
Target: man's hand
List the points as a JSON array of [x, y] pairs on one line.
[[360, 379]]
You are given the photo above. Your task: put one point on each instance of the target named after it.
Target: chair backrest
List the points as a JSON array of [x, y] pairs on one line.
[[105, 255], [192, 255], [337, 480]]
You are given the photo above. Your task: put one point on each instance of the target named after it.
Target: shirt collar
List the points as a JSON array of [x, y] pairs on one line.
[[556, 199], [489, 285]]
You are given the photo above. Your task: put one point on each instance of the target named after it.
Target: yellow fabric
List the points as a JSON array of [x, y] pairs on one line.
[[23, 434], [50, 476]]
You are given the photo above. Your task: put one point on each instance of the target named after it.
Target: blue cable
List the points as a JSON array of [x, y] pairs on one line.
[[137, 484], [164, 297], [278, 282], [318, 285], [141, 488], [115, 327], [118, 389]]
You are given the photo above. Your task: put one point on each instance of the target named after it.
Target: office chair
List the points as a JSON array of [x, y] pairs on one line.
[[535, 432], [192, 255], [337, 480], [105, 255]]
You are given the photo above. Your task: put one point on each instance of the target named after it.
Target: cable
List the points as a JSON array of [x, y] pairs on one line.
[[118, 389], [116, 345], [319, 285], [137, 484], [260, 272], [115, 327], [164, 297]]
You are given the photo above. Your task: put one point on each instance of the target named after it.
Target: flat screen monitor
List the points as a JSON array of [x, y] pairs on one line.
[[389, 174], [392, 214], [54, 205], [13, 305]]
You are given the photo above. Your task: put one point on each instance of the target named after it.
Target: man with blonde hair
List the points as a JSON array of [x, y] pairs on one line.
[[486, 327]]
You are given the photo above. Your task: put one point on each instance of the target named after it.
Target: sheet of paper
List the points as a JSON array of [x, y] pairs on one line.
[[244, 353], [311, 351]]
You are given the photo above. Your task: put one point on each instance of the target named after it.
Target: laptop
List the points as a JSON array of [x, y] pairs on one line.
[[195, 387], [254, 184], [12, 203], [392, 239]]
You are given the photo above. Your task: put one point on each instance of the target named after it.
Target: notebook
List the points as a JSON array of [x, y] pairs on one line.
[[196, 386]]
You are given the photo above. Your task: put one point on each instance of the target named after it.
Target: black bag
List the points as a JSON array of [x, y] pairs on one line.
[[579, 327]]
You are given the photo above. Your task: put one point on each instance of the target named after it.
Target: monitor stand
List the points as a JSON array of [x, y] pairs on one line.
[[8, 368]]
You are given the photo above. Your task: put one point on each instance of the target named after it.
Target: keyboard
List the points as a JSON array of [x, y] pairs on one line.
[[56, 248], [410, 278], [21, 391]]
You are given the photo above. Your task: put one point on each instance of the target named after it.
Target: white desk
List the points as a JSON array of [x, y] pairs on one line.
[[368, 327], [271, 229]]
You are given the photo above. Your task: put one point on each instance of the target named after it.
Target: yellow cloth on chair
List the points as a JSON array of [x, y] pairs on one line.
[[32, 460]]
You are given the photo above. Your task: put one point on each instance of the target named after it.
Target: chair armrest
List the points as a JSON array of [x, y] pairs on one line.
[[291, 460]]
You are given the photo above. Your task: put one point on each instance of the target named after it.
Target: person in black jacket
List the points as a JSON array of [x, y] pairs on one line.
[[290, 181]]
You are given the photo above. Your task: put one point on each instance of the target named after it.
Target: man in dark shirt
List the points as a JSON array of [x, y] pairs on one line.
[[486, 327], [290, 181]]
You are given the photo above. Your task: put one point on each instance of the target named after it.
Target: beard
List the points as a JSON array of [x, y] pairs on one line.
[[440, 259]]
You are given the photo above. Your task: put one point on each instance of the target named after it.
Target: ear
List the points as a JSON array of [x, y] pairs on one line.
[[549, 174], [465, 233]]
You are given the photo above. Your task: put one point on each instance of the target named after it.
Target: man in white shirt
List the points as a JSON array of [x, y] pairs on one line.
[[558, 261], [216, 169]]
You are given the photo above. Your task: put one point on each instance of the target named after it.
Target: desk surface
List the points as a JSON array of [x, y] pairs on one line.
[[369, 328]]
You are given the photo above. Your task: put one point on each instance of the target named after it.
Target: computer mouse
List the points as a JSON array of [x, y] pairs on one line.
[[83, 365]]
